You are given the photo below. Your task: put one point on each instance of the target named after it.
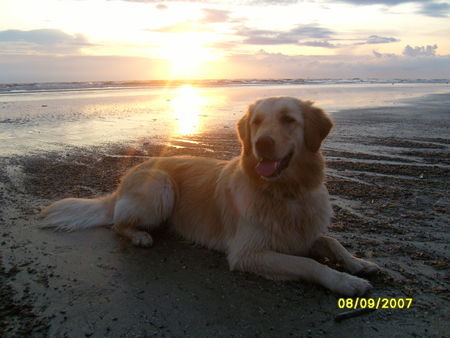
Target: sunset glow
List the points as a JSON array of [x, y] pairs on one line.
[[186, 55], [145, 40], [187, 109]]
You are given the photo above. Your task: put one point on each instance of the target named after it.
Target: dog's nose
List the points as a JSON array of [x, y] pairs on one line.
[[265, 146]]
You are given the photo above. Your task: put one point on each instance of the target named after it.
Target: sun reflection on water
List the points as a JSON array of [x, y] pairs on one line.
[[187, 108]]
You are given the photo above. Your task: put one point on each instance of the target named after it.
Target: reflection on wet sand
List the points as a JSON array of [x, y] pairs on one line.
[[51, 121], [187, 107]]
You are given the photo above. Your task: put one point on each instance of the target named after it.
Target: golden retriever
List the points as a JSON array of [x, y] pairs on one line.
[[267, 210]]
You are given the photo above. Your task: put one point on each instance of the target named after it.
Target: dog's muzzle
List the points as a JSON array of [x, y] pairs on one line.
[[271, 169]]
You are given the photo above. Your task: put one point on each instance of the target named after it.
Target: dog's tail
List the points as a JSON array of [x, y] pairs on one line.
[[72, 214]]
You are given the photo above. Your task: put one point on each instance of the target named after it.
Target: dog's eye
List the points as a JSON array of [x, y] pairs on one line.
[[287, 119], [257, 121]]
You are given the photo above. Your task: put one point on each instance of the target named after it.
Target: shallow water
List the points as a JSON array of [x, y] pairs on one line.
[[45, 121]]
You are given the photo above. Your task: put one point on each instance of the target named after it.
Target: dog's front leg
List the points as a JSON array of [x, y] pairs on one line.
[[276, 265], [330, 247]]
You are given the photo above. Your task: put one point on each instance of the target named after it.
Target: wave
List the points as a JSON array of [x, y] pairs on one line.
[[96, 85]]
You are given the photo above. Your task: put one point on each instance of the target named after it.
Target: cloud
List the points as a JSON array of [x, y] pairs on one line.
[[298, 35], [210, 16], [33, 68], [268, 39], [215, 15], [436, 9], [49, 68], [42, 36], [420, 51], [270, 2], [383, 55], [262, 37], [42, 40], [375, 39], [236, 2], [378, 2], [310, 32], [148, 1], [268, 65], [306, 35], [323, 44]]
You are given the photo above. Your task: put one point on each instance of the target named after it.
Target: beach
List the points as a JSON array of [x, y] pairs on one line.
[[388, 173]]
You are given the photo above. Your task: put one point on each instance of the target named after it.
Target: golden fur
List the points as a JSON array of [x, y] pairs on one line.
[[267, 210]]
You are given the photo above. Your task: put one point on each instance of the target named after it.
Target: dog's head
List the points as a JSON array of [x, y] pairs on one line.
[[280, 135]]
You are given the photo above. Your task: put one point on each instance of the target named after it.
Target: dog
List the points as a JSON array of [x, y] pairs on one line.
[[268, 209]]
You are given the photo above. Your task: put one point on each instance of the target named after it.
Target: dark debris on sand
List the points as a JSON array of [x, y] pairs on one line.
[[392, 209], [17, 317]]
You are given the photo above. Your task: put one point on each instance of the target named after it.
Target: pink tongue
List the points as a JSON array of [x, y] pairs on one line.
[[266, 168]]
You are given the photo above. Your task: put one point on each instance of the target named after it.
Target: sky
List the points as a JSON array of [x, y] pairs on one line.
[[101, 40]]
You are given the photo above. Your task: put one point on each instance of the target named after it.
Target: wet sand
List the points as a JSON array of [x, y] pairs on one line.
[[388, 175]]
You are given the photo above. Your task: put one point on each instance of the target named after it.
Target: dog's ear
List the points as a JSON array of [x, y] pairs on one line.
[[317, 126], [243, 128]]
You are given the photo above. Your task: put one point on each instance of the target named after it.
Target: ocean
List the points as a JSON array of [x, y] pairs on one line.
[[42, 117]]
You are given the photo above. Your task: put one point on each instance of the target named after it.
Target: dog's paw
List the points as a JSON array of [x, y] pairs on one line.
[[361, 266], [348, 285], [142, 239]]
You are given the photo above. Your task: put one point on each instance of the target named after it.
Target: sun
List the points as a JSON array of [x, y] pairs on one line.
[[187, 55]]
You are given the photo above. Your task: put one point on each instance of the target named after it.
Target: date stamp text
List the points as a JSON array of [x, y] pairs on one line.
[[374, 303]]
